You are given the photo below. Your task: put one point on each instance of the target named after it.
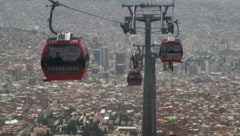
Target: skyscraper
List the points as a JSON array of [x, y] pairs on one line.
[[207, 67], [97, 55], [104, 57], [101, 57], [120, 58], [120, 63]]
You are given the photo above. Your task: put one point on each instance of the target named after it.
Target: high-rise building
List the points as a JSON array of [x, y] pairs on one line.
[[104, 57], [120, 58], [120, 63], [192, 69], [97, 55], [207, 67], [120, 69], [94, 69], [175, 70], [29, 69], [101, 57]]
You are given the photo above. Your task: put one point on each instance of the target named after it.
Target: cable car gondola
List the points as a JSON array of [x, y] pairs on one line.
[[134, 78], [64, 58], [171, 50]]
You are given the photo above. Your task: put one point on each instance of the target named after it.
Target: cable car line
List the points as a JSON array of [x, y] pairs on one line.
[[55, 4], [84, 12]]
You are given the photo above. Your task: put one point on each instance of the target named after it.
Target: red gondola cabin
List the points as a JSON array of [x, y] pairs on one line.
[[134, 78], [64, 58], [171, 50]]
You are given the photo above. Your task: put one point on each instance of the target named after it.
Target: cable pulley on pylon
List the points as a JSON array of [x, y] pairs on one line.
[[149, 89]]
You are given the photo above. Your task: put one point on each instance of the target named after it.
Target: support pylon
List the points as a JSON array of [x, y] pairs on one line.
[[149, 94]]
